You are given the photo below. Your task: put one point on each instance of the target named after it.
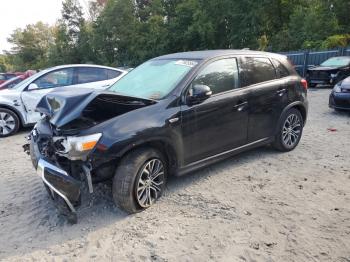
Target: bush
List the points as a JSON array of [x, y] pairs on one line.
[[336, 41]]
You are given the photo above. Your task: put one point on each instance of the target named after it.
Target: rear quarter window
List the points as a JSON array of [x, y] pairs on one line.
[[281, 70], [112, 73]]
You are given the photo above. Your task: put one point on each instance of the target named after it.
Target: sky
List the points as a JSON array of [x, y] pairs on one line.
[[18, 13]]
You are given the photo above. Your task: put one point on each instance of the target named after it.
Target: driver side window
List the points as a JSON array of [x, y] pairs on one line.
[[220, 76], [58, 78]]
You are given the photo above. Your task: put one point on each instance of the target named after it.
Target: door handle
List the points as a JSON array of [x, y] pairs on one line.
[[240, 105], [281, 92], [173, 120]]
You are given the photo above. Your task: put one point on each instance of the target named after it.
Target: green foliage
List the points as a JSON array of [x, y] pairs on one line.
[[336, 41], [128, 32], [30, 46]]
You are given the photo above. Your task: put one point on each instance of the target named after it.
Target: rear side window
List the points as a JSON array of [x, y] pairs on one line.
[[256, 70], [220, 76], [281, 70], [112, 73], [91, 74]]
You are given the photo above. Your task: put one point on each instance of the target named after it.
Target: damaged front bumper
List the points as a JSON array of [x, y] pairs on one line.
[[64, 189], [59, 182]]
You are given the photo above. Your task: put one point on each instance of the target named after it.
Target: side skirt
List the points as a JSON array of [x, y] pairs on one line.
[[221, 156]]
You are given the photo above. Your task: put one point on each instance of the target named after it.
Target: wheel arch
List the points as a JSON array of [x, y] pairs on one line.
[[162, 145], [14, 110], [297, 105]]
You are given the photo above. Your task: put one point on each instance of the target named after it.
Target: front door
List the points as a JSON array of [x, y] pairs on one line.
[[219, 123], [45, 84]]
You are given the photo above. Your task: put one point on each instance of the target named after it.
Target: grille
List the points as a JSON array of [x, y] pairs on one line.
[[319, 75]]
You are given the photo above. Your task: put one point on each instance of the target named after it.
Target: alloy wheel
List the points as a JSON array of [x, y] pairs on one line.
[[7, 123], [291, 130], [149, 185]]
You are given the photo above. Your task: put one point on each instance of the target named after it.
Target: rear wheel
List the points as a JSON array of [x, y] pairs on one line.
[[289, 131], [139, 180], [9, 122]]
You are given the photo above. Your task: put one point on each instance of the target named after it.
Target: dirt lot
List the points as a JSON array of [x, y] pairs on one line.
[[259, 206]]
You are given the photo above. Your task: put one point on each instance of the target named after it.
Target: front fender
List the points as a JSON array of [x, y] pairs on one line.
[[139, 127], [16, 109]]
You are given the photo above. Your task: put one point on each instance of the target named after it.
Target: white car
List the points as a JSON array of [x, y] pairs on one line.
[[17, 104]]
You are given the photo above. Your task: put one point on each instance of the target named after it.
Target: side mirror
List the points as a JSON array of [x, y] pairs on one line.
[[198, 93], [33, 86]]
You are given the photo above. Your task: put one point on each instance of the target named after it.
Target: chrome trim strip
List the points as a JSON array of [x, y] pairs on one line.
[[42, 164]]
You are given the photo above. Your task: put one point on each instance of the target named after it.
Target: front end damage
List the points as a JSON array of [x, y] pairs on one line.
[[64, 179], [62, 149]]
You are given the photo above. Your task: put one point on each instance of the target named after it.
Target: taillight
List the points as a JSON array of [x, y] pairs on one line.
[[304, 83]]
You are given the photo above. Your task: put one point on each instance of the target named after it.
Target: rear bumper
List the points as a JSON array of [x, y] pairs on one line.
[[339, 101]]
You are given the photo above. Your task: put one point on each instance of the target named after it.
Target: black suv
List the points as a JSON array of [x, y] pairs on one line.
[[330, 72], [169, 116]]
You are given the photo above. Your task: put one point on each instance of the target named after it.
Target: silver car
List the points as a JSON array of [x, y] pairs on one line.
[[17, 104]]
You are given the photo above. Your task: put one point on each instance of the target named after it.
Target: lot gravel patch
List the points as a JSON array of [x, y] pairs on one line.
[[261, 205]]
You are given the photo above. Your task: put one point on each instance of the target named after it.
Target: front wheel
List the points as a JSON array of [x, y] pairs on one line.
[[139, 180], [289, 131], [9, 122]]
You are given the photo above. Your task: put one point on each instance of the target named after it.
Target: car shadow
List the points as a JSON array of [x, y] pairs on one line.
[[176, 183], [96, 213]]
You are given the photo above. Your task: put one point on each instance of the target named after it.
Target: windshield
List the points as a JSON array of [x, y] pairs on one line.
[[336, 61], [153, 79]]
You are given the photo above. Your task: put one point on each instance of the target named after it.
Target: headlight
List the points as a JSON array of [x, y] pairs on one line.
[[334, 75], [337, 88], [78, 147]]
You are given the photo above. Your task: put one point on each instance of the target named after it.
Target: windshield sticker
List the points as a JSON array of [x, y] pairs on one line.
[[188, 63]]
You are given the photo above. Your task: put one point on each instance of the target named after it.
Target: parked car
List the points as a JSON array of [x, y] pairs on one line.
[[169, 116], [16, 80], [6, 76], [17, 105], [339, 99], [329, 72], [12, 82]]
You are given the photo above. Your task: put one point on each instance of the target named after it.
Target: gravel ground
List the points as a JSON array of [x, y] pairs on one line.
[[258, 206]]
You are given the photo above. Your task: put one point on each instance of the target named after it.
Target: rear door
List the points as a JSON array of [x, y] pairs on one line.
[[267, 96], [219, 123]]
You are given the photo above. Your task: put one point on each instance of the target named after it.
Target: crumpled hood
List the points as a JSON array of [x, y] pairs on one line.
[[67, 105]]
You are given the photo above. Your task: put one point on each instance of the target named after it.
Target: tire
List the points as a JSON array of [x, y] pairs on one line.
[[9, 122], [131, 183], [288, 137]]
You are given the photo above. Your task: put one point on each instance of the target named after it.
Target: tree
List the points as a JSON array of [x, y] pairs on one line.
[[68, 35], [30, 46]]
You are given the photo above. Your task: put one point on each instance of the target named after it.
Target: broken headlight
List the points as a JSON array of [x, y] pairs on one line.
[[77, 147]]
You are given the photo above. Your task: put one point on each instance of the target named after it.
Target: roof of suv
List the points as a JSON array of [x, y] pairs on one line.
[[85, 65], [207, 54]]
